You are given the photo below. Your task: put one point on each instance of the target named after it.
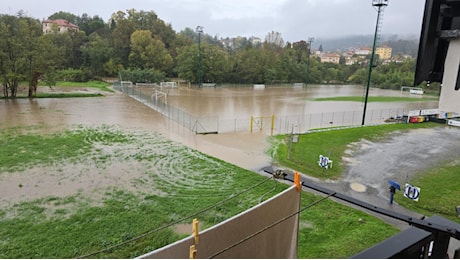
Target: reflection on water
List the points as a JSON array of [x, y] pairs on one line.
[[245, 101], [234, 103]]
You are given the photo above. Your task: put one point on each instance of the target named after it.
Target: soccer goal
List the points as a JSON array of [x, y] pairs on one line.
[[126, 84], [169, 84], [146, 85], [412, 90]]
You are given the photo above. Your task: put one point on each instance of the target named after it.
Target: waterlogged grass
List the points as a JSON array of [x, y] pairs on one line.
[[438, 192], [304, 154], [179, 182], [377, 99], [330, 230], [20, 150], [174, 184], [101, 85], [67, 95]]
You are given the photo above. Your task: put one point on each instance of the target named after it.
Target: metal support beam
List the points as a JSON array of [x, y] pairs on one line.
[[422, 224]]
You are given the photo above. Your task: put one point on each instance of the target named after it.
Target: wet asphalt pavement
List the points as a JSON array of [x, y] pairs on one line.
[[370, 165]]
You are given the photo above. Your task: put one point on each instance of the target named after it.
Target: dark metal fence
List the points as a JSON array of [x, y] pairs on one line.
[[268, 124]]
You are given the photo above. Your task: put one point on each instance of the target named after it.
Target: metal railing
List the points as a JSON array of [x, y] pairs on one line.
[[267, 124]]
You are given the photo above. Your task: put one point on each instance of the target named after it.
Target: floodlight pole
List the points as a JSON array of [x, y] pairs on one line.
[[199, 30], [380, 4], [310, 41]]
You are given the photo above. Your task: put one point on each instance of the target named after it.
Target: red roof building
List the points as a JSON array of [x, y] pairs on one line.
[[58, 25]]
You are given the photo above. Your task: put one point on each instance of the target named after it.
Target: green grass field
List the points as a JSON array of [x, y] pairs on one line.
[[304, 154], [65, 85], [101, 85], [443, 180], [441, 195], [378, 99], [167, 184]]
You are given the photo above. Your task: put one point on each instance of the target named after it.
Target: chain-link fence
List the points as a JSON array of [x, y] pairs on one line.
[[155, 97]]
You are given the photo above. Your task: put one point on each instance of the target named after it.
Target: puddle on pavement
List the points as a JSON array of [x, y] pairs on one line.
[[358, 187]]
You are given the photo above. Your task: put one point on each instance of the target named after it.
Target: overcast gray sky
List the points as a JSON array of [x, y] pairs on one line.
[[295, 19]]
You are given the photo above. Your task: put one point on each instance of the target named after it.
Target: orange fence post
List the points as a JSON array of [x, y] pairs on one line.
[[192, 254], [195, 231], [297, 181]]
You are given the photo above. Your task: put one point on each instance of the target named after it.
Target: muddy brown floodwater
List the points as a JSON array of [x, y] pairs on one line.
[[243, 148], [369, 165]]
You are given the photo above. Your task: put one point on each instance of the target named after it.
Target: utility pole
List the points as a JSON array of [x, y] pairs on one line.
[[310, 41], [380, 5], [199, 30]]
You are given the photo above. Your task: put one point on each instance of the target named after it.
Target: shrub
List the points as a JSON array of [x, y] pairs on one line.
[[142, 75], [76, 75]]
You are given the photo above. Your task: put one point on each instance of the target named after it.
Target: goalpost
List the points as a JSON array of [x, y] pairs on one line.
[[159, 94], [412, 90], [258, 122], [126, 83], [170, 84]]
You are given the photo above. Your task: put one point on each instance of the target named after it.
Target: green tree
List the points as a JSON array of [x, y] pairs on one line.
[[216, 64], [147, 52], [20, 53], [66, 16], [93, 24], [359, 76], [249, 65], [96, 53], [121, 35], [187, 63]]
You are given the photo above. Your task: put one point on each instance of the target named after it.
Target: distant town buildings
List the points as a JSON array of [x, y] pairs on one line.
[[358, 55], [384, 52], [330, 57], [363, 51], [58, 25]]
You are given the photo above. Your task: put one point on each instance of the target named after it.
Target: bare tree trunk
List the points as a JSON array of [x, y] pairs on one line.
[[5, 89], [33, 84], [14, 88]]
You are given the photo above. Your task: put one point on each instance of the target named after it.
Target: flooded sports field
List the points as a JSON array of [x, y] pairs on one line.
[[169, 119], [242, 116], [272, 110]]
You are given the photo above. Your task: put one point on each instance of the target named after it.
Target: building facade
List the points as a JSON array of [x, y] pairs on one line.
[[384, 52], [58, 25]]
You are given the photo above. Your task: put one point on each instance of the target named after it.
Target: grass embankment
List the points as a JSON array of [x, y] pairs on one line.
[[304, 155], [66, 95], [378, 99], [169, 183], [101, 85], [440, 199], [67, 89]]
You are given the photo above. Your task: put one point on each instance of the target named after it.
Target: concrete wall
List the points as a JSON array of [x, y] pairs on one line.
[[279, 241], [449, 100]]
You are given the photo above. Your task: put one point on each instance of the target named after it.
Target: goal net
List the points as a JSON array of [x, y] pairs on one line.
[[412, 90], [169, 84]]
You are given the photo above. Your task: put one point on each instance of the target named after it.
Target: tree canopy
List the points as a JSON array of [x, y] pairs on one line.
[[135, 40]]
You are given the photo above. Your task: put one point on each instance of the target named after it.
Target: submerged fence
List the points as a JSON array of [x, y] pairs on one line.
[[154, 96]]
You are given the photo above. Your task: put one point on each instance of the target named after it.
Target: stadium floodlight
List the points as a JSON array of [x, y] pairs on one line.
[[199, 30], [379, 5], [310, 41]]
